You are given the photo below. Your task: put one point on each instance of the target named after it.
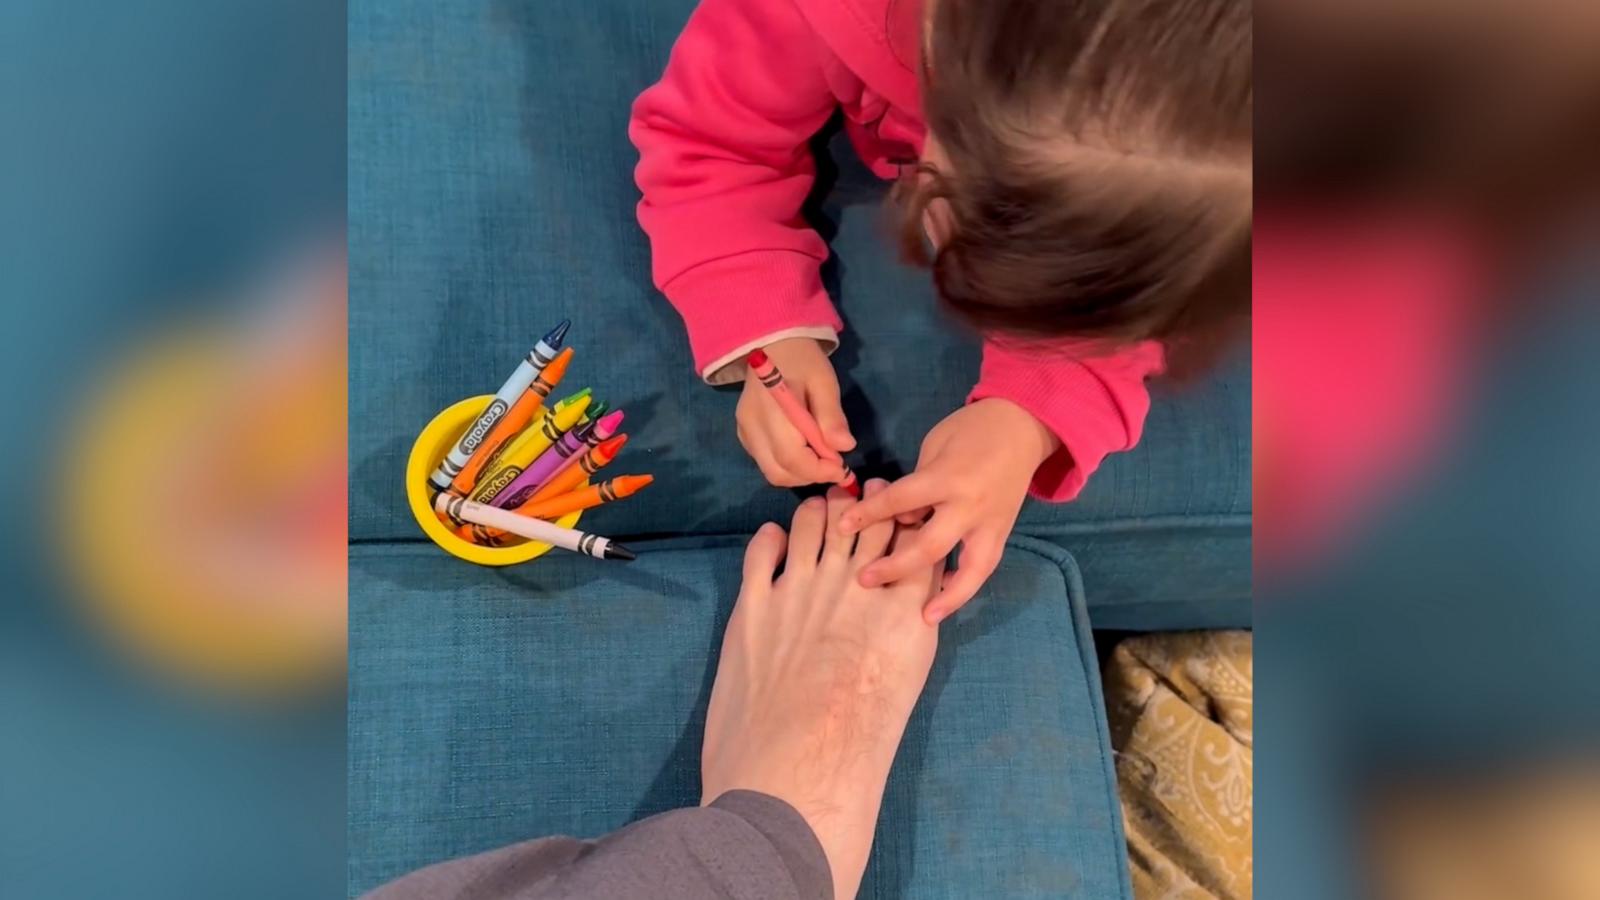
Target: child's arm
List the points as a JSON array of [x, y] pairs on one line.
[[1094, 404], [724, 168], [1039, 421]]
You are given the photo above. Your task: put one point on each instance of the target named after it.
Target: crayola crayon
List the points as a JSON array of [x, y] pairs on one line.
[[532, 529], [565, 453], [616, 489], [564, 402], [521, 413], [596, 410], [798, 416], [593, 461], [564, 482], [526, 447], [540, 356]]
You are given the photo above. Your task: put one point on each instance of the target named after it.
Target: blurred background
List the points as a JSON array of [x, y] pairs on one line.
[[172, 269], [1427, 434], [1427, 418]]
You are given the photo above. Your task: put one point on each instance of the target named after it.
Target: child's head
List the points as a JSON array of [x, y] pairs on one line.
[[1088, 166]]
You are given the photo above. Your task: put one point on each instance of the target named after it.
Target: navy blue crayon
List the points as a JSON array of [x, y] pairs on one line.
[[539, 357]]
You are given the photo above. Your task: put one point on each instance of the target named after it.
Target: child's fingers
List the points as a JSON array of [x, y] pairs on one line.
[[914, 517], [873, 542], [979, 557], [913, 492], [796, 458], [822, 398], [759, 446], [919, 550]]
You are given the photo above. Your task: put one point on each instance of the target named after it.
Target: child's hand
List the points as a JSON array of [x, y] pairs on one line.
[[777, 447], [973, 474]]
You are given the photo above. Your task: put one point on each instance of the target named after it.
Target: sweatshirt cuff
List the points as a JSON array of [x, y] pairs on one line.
[[742, 301], [1077, 407], [790, 835], [732, 368]]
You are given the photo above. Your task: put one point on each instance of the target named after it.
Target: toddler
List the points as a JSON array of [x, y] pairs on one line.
[[1075, 173]]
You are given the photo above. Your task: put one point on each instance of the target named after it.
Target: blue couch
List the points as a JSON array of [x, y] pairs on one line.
[[490, 195]]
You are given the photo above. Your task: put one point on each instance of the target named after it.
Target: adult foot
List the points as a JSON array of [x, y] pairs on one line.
[[818, 677]]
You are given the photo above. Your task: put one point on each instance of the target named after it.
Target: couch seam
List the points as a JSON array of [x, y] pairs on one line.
[[1219, 523], [1078, 617]]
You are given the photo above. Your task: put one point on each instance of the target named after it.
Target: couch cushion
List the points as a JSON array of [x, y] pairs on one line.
[[491, 194], [568, 696]]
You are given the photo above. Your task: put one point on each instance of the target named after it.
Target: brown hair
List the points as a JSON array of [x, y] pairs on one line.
[[1099, 168]]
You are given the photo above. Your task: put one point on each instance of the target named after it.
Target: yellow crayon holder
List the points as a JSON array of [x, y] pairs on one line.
[[426, 454]]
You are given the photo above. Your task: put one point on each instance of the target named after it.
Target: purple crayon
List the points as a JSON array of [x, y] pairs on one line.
[[563, 453]]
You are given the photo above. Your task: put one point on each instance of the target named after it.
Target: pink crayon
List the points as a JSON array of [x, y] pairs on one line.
[[565, 452], [799, 416]]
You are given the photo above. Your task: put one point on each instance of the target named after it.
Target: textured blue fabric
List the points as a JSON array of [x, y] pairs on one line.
[[567, 696], [491, 194]]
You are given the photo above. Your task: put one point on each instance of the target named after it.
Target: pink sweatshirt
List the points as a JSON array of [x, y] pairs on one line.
[[724, 168]]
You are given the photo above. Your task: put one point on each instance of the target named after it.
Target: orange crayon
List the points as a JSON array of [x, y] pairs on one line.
[[564, 483], [798, 416], [516, 418], [605, 492]]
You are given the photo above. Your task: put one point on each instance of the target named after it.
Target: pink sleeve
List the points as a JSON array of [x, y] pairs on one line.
[[724, 167], [1095, 404]]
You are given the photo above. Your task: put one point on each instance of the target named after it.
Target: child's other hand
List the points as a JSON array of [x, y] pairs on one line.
[[777, 447], [973, 473]]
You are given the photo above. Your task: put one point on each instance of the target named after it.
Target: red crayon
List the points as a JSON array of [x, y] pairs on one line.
[[799, 417]]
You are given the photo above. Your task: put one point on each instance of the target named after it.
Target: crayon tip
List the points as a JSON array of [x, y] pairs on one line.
[[558, 334], [617, 551], [558, 367], [758, 358], [611, 421], [628, 484], [596, 410], [567, 401], [608, 448]]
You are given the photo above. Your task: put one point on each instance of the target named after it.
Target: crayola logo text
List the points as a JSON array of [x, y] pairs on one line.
[[489, 489], [480, 428]]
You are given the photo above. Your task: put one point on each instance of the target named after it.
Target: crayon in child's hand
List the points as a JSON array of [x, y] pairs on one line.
[[539, 357], [565, 453], [465, 510], [797, 414]]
